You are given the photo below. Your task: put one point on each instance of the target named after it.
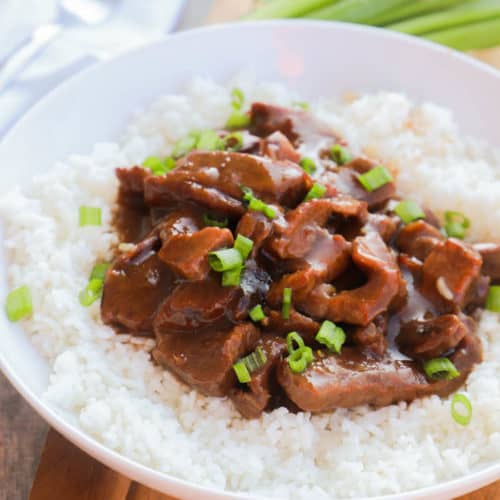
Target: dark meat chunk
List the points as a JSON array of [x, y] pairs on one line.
[[277, 147], [214, 180], [297, 234], [131, 180], [306, 327], [296, 125], [187, 254], [346, 181], [490, 252], [476, 296], [372, 336], [254, 398], [204, 360], [385, 225], [431, 338], [193, 305], [134, 287], [418, 239], [360, 305], [257, 227], [353, 378], [449, 272], [185, 220]]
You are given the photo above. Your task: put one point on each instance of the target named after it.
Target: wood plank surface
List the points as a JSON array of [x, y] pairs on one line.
[[65, 472]]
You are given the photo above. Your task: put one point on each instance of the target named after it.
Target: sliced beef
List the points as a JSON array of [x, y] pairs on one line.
[[193, 305], [134, 288], [214, 180], [306, 327], [131, 180], [431, 338], [360, 305], [418, 239], [254, 397], [490, 252], [257, 227], [353, 378], [277, 147], [346, 181], [448, 274], [386, 225], [372, 336], [204, 360]]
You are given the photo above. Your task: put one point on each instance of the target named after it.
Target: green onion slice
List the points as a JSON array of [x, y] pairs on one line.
[[237, 98], [459, 403], [169, 163], [233, 141], [238, 119], [257, 313], [375, 178], [184, 145], [308, 165], [301, 104], [242, 372], [440, 368], [208, 220], [18, 304], [340, 155], [331, 335], [244, 245], [493, 299], [232, 277], [455, 224], [299, 359], [155, 164], [99, 271], [223, 260], [257, 205], [91, 292], [291, 338], [317, 191], [287, 303], [408, 211], [90, 216], [209, 140]]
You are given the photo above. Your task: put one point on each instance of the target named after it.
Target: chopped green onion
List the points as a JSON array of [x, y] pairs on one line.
[[287, 303], [317, 191], [301, 104], [223, 260], [408, 211], [238, 119], [99, 271], [244, 245], [155, 164], [255, 360], [375, 178], [242, 372], [209, 141], [308, 165], [169, 163], [91, 292], [440, 368], [18, 304], [238, 97], [290, 339], [455, 224], [233, 141], [331, 335], [256, 204], [299, 359], [493, 299], [208, 220], [90, 216], [183, 146], [257, 313], [340, 155], [232, 277], [461, 417]]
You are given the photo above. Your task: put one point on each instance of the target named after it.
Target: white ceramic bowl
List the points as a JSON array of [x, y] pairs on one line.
[[314, 58]]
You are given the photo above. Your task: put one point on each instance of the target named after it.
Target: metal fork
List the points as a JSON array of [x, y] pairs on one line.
[[90, 12]]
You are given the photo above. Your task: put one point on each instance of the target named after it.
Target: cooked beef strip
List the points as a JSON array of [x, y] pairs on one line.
[[372, 336], [204, 360], [418, 239], [277, 147], [490, 252], [305, 326]]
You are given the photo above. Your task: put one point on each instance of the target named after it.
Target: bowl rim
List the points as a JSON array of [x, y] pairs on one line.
[[134, 469]]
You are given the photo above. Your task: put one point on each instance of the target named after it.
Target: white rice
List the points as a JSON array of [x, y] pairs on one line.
[[110, 388]]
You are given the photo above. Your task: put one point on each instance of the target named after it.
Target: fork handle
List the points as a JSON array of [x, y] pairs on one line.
[[40, 38]]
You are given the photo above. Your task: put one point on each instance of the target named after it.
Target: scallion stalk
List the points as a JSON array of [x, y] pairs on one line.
[[287, 8]]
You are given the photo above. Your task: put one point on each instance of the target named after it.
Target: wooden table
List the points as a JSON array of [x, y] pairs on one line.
[[63, 468]]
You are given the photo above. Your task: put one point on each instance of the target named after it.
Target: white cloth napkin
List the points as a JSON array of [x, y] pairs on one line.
[[133, 23]]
